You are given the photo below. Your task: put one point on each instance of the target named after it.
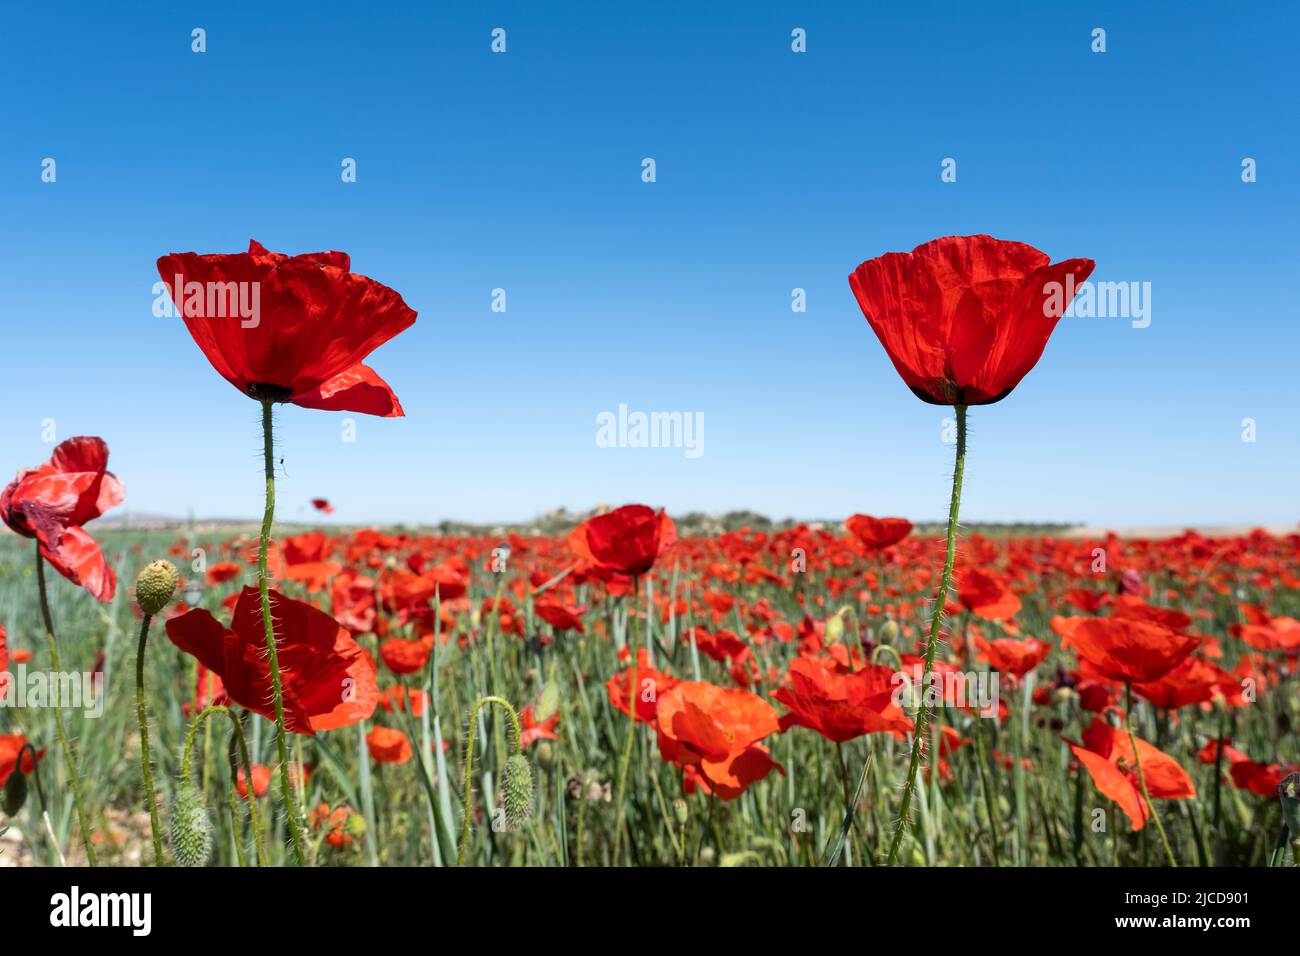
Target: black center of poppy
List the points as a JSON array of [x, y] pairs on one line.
[[264, 392]]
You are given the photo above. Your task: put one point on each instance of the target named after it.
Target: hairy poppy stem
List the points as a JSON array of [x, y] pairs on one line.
[[1142, 780], [468, 799], [268, 516], [238, 734], [69, 757], [923, 714], [620, 820], [146, 757]]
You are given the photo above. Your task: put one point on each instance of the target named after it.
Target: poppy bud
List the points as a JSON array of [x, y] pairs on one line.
[[835, 628], [548, 703], [889, 632], [191, 828], [681, 811], [155, 586], [15, 793], [517, 790]]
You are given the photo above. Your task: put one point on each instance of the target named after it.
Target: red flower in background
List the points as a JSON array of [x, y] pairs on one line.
[[964, 318], [876, 534], [712, 733], [651, 686], [1109, 758], [559, 616], [11, 745], [314, 323], [627, 540], [322, 505], [51, 503], [261, 781], [327, 681], [1011, 656], [1119, 649], [388, 746], [531, 730], [840, 706], [986, 595]]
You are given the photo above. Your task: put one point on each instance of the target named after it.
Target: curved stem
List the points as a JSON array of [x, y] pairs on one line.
[[1142, 780], [468, 798], [238, 734], [146, 758], [936, 620], [69, 758], [273, 659]]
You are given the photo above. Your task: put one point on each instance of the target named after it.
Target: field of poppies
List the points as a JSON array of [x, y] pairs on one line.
[[624, 694]]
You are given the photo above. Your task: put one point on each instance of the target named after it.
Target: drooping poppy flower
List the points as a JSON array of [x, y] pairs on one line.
[[840, 706], [387, 745], [1109, 758], [51, 503], [964, 318], [986, 595], [310, 322], [627, 540], [876, 534], [261, 781], [322, 505], [713, 733], [326, 679], [11, 745], [1129, 651], [1011, 656]]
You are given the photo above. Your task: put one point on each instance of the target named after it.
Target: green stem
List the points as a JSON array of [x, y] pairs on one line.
[[268, 516], [69, 757], [620, 820], [932, 642], [1142, 780], [468, 798], [146, 758]]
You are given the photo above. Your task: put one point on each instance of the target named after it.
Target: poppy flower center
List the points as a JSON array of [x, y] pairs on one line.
[[265, 392]]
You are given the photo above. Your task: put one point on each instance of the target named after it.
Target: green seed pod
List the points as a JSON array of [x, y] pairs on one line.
[[15, 794], [545, 755], [155, 585], [191, 827], [681, 811], [517, 790]]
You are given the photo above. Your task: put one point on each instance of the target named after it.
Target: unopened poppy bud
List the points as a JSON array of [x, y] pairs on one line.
[[517, 788], [835, 628], [15, 793], [191, 828], [888, 632], [707, 856], [155, 586], [681, 812]]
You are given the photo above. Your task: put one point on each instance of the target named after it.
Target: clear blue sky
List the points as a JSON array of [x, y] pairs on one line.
[[775, 170]]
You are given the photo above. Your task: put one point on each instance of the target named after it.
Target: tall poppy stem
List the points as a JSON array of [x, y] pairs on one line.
[[936, 620], [273, 659], [1142, 780], [467, 807], [146, 758], [69, 757]]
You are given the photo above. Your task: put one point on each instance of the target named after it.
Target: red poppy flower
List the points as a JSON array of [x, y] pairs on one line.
[[651, 685], [712, 733], [304, 342], [964, 318], [986, 595], [531, 730], [261, 781], [11, 745], [1133, 652], [403, 698], [559, 616], [51, 503], [405, 657], [840, 706], [1194, 681], [322, 505], [876, 534], [388, 746], [224, 571], [1011, 656], [1109, 758], [327, 681], [627, 540], [1260, 779]]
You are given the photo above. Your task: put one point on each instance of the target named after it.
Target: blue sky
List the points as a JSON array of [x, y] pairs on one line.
[[775, 170]]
